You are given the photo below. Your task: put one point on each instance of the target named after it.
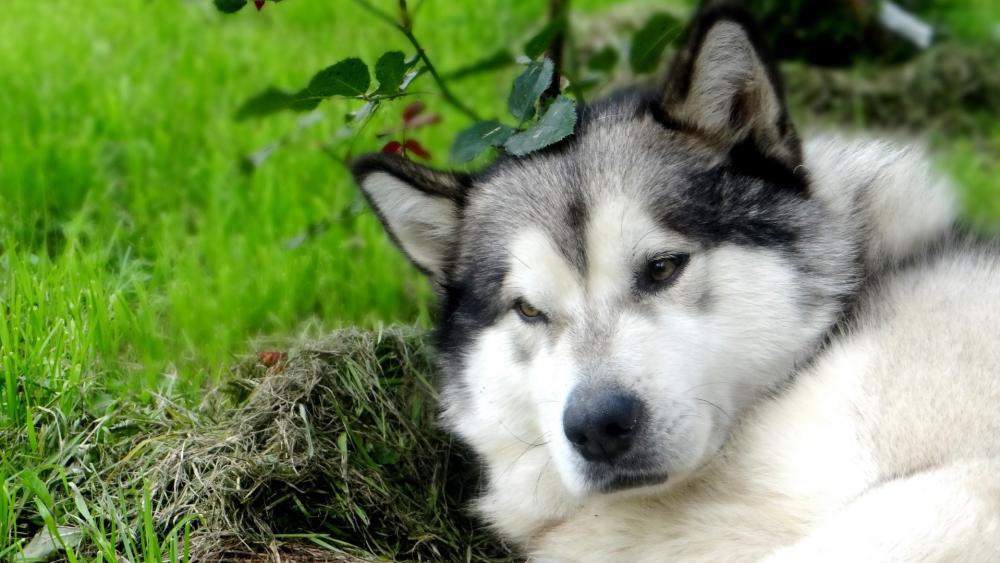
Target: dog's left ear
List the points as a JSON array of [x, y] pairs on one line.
[[420, 207], [723, 87]]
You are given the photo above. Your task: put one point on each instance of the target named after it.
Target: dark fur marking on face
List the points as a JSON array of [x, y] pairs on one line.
[[721, 205], [577, 214], [469, 305]]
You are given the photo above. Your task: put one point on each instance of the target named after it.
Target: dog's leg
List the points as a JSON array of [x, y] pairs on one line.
[[950, 514]]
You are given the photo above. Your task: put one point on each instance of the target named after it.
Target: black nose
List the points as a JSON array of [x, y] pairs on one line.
[[601, 423]]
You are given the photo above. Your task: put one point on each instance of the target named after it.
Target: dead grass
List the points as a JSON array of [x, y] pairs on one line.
[[333, 448]]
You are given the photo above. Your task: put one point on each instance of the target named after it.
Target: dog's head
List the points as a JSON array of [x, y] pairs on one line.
[[611, 305]]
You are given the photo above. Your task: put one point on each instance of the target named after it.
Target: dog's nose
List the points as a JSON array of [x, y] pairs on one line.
[[601, 424]]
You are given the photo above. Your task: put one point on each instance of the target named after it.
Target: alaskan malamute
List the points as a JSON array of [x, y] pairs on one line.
[[683, 334]]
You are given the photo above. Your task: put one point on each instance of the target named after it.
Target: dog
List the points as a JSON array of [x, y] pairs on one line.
[[685, 334]]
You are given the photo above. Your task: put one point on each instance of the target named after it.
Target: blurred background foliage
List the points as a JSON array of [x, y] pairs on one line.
[[147, 237]]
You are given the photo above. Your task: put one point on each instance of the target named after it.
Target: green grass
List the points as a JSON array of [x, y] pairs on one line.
[[137, 260]]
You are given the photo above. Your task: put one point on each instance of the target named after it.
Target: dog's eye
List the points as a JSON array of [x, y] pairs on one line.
[[527, 311], [665, 268], [662, 269]]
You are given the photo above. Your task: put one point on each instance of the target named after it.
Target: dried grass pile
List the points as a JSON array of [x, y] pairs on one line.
[[334, 446], [948, 88]]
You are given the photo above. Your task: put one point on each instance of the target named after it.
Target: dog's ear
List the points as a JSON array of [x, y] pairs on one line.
[[419, 207], [723, 87]]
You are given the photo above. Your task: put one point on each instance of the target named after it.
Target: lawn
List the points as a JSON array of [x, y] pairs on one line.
[[139, 260]]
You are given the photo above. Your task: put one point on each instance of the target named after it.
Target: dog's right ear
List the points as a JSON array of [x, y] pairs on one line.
[[724, 87], [419, 207]]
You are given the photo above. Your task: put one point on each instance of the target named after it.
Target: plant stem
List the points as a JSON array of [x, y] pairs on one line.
[[378, 13], [448, 96], [558, 9], [445, 92], [404, 15]]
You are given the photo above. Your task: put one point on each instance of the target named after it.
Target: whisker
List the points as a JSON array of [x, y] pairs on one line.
[[515, 257], [539, 480], [742, 390], [531, 446], [638, 241], [609, 115], [717, 407]]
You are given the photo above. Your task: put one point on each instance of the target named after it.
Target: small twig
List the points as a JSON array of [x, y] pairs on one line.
[[445, 92], [404, 16], [378, 13]]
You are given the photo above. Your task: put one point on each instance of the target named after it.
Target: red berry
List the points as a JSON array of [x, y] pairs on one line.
[[259, 4]]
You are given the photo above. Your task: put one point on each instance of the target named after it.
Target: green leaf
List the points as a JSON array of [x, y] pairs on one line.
[[303, 100], [497, 60], [31, 482], [229, 6], [603, 60], [349, 78], [555, 125], [274, 100], [541, 41], [389, 71], [385, 456], [528, 87], [471, 142], [271, 100], [649, 42]]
